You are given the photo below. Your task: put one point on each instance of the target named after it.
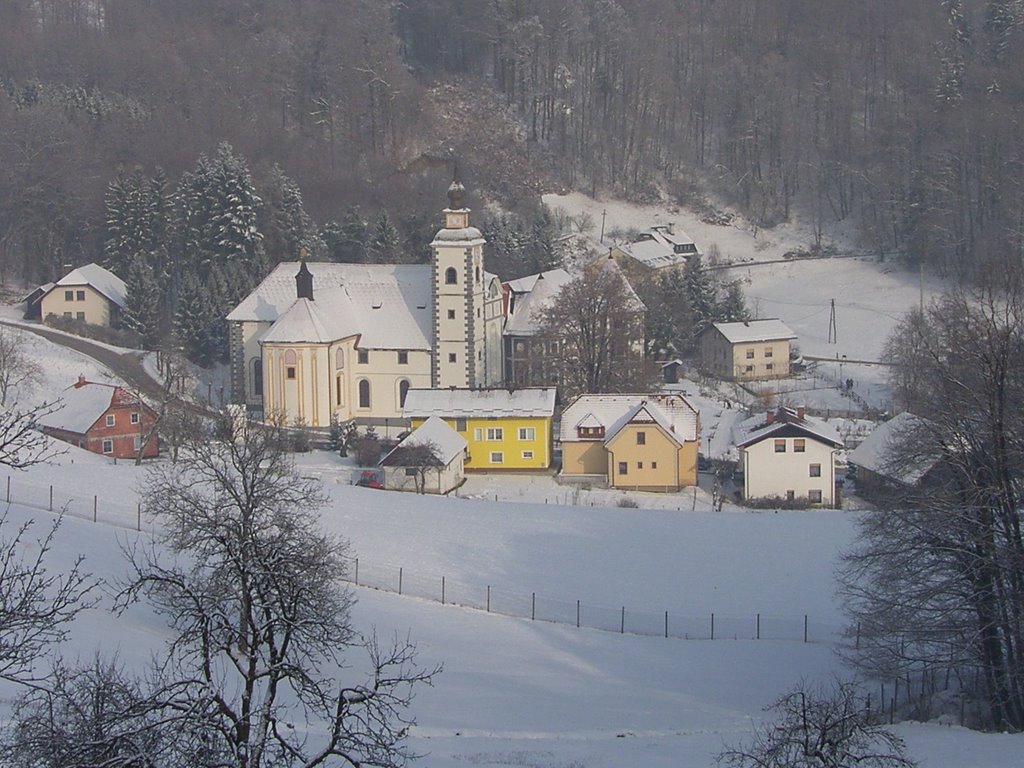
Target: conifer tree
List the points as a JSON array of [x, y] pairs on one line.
[[143, 308], [346, 239], [385, 242], [286, 226]]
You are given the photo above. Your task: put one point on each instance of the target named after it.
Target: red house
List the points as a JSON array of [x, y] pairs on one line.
[[103, 418]]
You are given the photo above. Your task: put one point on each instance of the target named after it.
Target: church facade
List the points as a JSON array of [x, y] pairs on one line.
[[324, 341]]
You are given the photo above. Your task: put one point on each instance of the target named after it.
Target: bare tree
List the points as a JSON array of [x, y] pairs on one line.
[[260, 615], [35, 604], [819, 728], [936, 581], [593, 333], [17, 367], [420, 459]]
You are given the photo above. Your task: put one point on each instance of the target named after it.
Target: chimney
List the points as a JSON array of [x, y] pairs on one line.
[[800, 412], [671, 227], [304, 282], [771, 418], [81, 381]]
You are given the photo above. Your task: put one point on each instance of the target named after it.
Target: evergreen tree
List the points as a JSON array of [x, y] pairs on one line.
[[385, 246], [346, 240], [541, 246], [733, 306], [136, 221], [700, 296], [286, 226], [198, 322], [143, 308]]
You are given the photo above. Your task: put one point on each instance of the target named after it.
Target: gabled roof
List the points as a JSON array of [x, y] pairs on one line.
[[877, 453], [449, 444], [480, 403], [95, 276], [754, 330], [787, 420], [389, 305], [644, 413], [84, 403], [671, 411], [654, 254], [536, 294]]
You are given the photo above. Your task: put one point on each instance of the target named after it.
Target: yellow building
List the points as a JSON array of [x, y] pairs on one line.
[[503, 429], [637, 442], [91, 294], [741, 351]]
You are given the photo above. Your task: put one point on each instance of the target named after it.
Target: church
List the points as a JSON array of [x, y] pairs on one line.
[[320, 341]]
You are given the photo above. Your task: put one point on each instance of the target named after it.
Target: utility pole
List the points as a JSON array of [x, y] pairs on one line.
[[604, 213], [833, 336]]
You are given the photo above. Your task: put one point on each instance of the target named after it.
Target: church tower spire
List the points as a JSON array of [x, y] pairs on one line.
[[459, 345]]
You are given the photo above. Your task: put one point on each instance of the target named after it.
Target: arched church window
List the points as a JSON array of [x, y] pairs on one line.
[[257, 376], [451, 277], [290, 358], [364, 393], [403, 390], [339, 359], [476, 273]]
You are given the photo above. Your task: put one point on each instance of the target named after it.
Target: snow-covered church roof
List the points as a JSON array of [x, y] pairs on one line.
[[389, 305]]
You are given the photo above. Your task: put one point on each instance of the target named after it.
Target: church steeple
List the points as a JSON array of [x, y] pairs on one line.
[[304, 281], [458, 297]]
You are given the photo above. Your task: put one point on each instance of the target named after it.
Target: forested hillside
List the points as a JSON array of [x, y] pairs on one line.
[[904, 116]]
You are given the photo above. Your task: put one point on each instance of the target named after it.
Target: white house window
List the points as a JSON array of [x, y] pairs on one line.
[[80, 295], [69, 295], [460, 425], [289, 372], [814, 496], [750, 354], [108, 446], [136, 442], [748, 369], [478, 434], [497, 457], [80, 315], [639, 465], [68, 315], [790, 495], [623, 468], [780, 446], [364, 356], [403, 357], [527, 454], [815, 470], [495, 434], [767, 351], [110, 419], [135, 418], [527, 433], [364, 393], [641, 438]]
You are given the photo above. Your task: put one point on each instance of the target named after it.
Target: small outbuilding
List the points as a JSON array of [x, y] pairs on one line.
[[105, 419], [431, 459]]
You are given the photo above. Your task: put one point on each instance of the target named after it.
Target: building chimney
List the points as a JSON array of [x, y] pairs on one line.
[[304, 282], [800, 412], [81, 381], [771, 418]]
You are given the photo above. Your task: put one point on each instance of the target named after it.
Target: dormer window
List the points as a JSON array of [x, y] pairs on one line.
[[590, 432]]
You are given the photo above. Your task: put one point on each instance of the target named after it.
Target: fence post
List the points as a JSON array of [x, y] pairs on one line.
[[138, 517], [712, 626], [488, 598], [533, 606], [399, 580], [759, 626], [8, 489], [805, 627], [622, 622], [50, 508], [577, 614], [95, 505], [666, 623], [857, 646], [357, 571], [442, 590]]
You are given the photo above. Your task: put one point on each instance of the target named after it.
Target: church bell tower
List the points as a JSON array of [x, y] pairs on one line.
[[459, 344]]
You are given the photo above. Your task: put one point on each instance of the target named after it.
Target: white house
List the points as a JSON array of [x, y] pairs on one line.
[[431, 459], [753, 349], [91, 294], [789, 455]]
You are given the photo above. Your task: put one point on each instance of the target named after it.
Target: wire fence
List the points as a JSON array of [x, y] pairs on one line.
[[586, 614], [445, 590]]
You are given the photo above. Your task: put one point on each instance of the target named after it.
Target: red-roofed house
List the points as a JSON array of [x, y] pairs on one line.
[[103, 418]]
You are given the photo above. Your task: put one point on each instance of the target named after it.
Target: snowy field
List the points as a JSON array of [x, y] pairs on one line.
[[543, 694]]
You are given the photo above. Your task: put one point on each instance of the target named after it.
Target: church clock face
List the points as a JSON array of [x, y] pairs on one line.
[[520, 346]]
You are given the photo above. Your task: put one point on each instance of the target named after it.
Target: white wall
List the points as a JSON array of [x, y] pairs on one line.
[[767, 473]]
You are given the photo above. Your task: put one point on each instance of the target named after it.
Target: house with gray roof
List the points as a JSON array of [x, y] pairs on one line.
[[747, 350], [89, 293]]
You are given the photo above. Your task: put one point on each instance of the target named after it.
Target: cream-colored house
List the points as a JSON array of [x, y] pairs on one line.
[[640, 442], [91, 294], [321, 341], [789, 455], [431, 459], [740, 351]]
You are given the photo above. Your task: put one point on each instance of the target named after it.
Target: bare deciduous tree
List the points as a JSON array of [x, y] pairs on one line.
[[260, 615], [17, 367], [819, 728]]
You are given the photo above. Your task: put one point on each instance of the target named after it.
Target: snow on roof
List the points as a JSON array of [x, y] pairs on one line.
[[754, 330], [654, 254], [642, 412], [81, 406], [95, 276], [449, 443], [757, 428], [877, 452], [461, 235], [389, 304], [674, 414], [480, 403], [527, 313]]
